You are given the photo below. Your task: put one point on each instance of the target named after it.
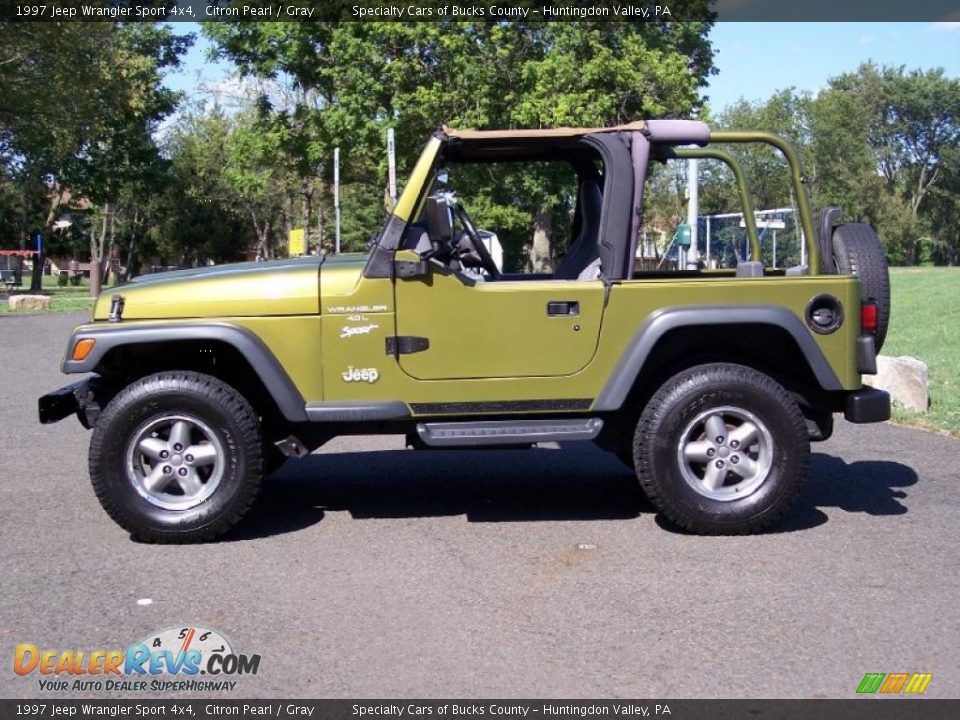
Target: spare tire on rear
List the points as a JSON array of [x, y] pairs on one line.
[[857, 251]]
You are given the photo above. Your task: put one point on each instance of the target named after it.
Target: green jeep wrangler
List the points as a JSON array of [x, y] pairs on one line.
[[709, 382]]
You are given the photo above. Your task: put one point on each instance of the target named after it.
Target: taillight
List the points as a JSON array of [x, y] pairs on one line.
[[868, 317]]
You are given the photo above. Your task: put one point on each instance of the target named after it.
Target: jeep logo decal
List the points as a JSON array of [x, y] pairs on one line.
[[352, 374]]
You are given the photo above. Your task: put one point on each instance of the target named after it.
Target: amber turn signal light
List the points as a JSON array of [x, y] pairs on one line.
[[82, 349]]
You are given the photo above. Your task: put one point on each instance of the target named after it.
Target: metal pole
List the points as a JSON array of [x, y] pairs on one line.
[[693, 210], [392, 166], [774, 248], [336, 195], [708, 241]]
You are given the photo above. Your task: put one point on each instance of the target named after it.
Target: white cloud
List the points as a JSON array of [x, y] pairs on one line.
[[945, 26]]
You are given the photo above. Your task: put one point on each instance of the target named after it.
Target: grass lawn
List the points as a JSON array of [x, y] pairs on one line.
[[63, 299], [924, 323]]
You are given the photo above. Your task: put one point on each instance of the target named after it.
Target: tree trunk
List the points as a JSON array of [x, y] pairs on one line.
[[131, 257], [36, 278], [305, 211], [94, 279], [24, 217], [96, 254], [540, 257], [288, 212], [321, 221], [270, 250], [108, 250], [131, 251]]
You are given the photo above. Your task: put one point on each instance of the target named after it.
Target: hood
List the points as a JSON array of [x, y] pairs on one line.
[[277, 287], [341, 273]]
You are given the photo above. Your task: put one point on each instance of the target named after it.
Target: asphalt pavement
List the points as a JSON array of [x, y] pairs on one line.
[[372, 571]]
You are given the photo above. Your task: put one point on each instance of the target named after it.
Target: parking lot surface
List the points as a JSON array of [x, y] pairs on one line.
[[368, 570]]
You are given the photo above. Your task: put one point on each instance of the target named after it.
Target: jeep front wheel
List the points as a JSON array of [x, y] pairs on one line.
[[175, 457], [722, 449]]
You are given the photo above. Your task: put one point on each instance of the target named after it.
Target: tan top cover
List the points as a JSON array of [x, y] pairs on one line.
[[536, 133]]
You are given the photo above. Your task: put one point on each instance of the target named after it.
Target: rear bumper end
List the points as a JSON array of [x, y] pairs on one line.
[[77, 398], [867, 405], [866, 355]]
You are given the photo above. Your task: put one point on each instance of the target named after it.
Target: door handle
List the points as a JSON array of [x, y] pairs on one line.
[[563, 308]]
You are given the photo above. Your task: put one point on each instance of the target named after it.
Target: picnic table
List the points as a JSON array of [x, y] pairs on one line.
[[11, 267]]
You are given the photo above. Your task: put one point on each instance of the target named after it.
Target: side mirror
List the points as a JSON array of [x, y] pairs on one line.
[[439, 221]]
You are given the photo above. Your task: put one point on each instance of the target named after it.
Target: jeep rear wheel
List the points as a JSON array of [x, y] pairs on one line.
[[176, 457], [722, 449]]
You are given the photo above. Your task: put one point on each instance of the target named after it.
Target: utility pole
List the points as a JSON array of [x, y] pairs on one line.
[[693, 209], [392, 166], [708, 243], [336, 196]]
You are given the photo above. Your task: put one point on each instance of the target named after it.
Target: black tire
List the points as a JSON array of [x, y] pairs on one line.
[[668, 426], [204, 406], [858, 251]]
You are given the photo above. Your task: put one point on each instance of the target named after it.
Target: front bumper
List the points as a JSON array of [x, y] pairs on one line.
[[867, 405], [78, 398]]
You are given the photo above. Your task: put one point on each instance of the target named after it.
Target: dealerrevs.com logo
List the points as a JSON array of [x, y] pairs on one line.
[[189, 659]]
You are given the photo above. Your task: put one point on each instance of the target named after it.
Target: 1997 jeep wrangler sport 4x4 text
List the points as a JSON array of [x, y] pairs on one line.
[[710, 383]]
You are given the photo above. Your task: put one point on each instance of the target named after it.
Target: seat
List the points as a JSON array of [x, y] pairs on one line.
[[416, 237], [583, 250]]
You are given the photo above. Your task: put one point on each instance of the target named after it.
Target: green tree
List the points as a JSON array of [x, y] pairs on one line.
[[912, 121], [356, 79], [81, 102], [878, 142], [256, 178], [201, 218]]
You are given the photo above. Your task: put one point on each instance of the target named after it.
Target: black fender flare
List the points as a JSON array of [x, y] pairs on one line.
[[631, 363], [264, 363]]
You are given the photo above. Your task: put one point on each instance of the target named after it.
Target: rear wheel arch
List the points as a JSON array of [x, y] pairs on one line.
[[766, 347], [769, 338]]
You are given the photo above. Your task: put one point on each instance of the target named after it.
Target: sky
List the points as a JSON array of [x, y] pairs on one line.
[[754, 59]]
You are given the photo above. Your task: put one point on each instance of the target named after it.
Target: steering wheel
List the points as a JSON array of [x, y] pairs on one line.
[[486, 259]]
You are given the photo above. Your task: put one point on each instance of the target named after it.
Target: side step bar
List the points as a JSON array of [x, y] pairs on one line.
[[507, 432]]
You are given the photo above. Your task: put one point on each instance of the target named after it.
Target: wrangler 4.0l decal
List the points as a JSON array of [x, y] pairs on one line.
[[342, 309]]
